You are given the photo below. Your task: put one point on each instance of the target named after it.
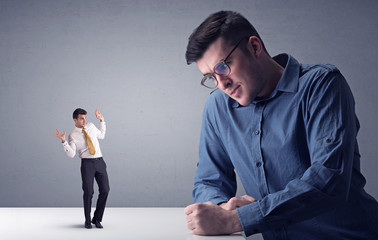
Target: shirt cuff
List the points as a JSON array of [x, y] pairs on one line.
[[250, 217], [219, 200]]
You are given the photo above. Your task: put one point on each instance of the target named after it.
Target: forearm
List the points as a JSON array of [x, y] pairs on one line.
[[215, 178], [299, 201], [102, 130], [70, 151], [203, 193]]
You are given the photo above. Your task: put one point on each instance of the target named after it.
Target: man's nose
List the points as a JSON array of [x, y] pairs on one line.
[[224, 82]]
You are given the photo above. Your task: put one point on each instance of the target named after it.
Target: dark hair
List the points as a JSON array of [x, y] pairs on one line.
[[231, 26], [77, 112]]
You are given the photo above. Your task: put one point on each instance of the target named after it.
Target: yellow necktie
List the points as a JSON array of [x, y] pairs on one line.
[[89, 143]]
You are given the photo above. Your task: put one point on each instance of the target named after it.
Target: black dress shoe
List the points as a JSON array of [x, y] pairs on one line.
[[88, 225], [97, 223]]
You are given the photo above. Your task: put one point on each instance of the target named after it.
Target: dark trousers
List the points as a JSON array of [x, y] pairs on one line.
[[94, 168]]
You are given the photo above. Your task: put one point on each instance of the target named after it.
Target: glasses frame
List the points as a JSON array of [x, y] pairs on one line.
[[222, 61]]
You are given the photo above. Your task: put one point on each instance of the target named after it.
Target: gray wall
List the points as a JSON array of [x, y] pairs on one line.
[[126, 58]]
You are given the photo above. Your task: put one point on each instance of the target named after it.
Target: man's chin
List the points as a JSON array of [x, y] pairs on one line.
[[243, 102]]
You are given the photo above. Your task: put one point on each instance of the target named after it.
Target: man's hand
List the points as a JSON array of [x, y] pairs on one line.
[[61, 136], [237, 202], [99, 115], [211, 219]]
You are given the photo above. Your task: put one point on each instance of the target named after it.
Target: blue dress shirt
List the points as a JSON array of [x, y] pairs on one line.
[[295, 151]]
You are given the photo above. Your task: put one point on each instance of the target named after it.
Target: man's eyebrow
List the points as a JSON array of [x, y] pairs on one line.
[[204, 74]]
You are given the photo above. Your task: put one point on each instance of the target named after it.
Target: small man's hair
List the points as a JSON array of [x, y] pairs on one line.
[[78, 111]]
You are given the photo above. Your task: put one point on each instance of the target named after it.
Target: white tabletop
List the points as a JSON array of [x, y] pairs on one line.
[[119, 223]]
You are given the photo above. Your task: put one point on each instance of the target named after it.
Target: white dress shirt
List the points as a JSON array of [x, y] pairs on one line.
[[77, 142]]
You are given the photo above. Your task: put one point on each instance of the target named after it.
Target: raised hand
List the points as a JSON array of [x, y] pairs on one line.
[[99, 115], [61, 136]]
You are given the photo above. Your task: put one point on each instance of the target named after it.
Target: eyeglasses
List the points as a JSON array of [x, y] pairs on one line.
[[221, 69]]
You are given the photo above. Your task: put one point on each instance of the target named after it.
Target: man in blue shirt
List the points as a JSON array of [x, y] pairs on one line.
[[289, 131]]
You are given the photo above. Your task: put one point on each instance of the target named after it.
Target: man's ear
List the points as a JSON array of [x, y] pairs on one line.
[[255, 46]]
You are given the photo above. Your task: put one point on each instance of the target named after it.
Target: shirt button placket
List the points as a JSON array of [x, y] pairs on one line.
[[258, 159], [257, 132], [258, 164]]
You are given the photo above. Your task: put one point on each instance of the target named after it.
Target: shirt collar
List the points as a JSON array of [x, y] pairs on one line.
[[78, 129], [289, 79], [81, 129]]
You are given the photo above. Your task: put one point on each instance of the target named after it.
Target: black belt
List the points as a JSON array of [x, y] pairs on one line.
[[99, 158]]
